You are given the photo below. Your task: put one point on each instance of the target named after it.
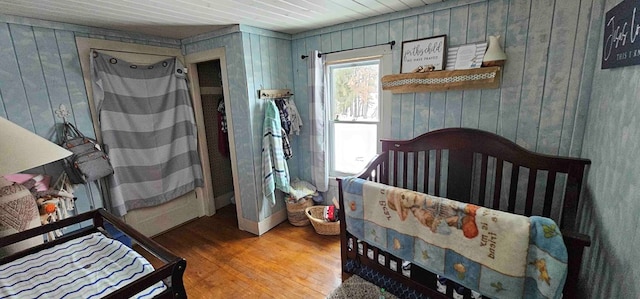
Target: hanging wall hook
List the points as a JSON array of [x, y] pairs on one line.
[[274, 93], [62, 112]]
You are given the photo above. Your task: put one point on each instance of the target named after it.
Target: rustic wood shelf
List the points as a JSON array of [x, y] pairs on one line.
[[480, 78]]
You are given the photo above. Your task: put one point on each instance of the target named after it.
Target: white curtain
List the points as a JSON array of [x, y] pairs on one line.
[[317, 115]]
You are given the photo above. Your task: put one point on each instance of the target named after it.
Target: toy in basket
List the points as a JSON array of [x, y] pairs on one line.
[[318, 215]]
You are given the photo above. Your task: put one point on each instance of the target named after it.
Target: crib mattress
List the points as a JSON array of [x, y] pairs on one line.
[[88, 267]]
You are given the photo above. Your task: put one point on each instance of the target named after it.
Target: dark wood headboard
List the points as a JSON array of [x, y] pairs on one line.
[[462, 158]]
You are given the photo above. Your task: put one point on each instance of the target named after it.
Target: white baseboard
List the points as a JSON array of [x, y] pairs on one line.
[[259, 228], [223, 200]]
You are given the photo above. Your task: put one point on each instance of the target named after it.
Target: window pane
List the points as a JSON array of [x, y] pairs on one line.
[[354, 91], [354, 146]]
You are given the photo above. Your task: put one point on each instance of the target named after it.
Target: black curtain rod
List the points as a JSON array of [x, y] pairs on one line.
[[132, 52], [391, 43]]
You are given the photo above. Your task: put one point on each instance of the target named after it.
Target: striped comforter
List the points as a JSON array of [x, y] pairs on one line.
[[88, 267]]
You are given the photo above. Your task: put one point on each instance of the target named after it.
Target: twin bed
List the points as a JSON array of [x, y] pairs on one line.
[[397, 222], [89, 263]]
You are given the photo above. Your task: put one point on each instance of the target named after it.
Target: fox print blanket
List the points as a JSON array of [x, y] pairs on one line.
[[499, 254]]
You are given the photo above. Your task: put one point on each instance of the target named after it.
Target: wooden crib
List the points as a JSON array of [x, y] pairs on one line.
[[478, 167]]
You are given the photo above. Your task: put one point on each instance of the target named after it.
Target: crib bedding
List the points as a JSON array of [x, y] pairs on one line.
[[475, 246], [91, 266]]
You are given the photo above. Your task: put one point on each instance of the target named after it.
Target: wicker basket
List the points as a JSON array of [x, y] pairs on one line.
[[296, 212], [322, 226]]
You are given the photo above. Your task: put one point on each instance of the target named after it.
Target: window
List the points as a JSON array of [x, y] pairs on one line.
[[357, 114]]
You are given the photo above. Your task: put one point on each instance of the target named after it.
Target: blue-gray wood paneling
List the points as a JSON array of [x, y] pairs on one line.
[[39, 71], [529, 107], [242, 109], [256, 59], [612, 142]]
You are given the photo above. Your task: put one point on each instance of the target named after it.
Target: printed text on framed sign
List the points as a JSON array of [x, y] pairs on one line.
[[424, 54], [621, 44]]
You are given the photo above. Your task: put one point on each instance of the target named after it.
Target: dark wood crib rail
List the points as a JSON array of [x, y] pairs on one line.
[[485, 169], [171, 272]]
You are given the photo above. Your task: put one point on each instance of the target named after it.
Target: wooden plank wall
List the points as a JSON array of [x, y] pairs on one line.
[[536, 105], [240, 110], [612, 141], [39, 71], [256, 59], [268, 66]]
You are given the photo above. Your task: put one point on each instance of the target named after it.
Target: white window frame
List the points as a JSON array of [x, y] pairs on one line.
[[383, 53]]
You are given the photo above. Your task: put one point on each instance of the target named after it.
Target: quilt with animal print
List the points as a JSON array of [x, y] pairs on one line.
[[498, 254]]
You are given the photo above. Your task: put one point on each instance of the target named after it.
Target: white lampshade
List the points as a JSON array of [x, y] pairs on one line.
[[21, 149]]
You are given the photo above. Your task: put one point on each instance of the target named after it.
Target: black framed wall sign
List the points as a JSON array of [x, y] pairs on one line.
[[424, 54], [621, 45]]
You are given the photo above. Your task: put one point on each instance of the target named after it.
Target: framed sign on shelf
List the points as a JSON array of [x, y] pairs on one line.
[[465, 57], [427, 54]]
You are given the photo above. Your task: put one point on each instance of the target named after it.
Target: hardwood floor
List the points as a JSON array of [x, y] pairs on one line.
[[225, 262]]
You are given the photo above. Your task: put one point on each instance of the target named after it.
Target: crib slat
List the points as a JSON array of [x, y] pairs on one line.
[[426, 171], [531, 188], [497, 185], [513, 188], [459, 175], [405, 157], [483, 179], [395, 168], [385, 172], [415, 171], [437, 176], [548, 194]]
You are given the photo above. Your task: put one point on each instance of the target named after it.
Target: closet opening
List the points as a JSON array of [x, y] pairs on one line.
[[217, 133], [215, 80]]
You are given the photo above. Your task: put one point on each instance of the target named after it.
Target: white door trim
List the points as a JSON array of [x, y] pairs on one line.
[[191, 60]]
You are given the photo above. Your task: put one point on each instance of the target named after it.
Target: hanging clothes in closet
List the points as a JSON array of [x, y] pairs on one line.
[[223, 133]]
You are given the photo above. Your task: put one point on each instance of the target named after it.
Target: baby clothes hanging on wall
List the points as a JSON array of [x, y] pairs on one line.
[[294, 116], [286, 125], [275, 171], [286, 146], [284, 115]]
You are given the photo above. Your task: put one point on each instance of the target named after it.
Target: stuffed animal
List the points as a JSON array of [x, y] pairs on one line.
[[53, 204]]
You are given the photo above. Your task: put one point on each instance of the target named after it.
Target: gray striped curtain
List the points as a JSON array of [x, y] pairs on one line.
[[317, 115], [148, 130]]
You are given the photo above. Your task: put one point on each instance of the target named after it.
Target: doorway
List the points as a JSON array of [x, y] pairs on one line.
[[215, 122], [192, 61], [153, 220]]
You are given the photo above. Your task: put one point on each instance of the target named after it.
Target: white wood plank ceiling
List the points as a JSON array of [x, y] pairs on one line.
[[184, 18]]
